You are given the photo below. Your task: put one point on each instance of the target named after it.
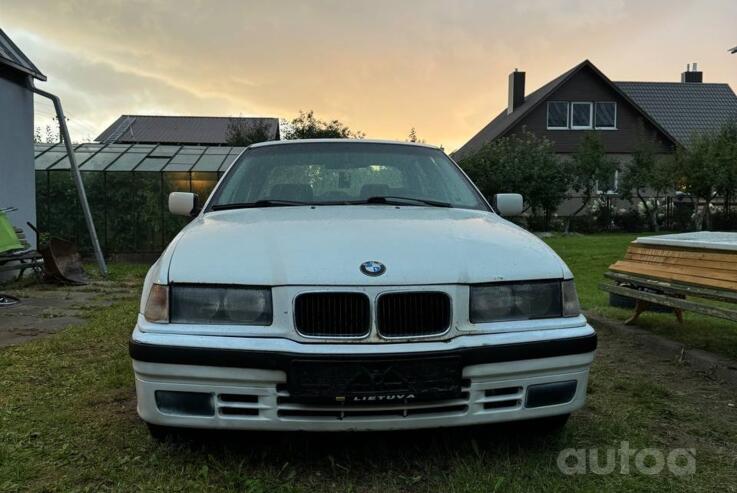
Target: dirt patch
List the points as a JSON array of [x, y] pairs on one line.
[[47, 309]]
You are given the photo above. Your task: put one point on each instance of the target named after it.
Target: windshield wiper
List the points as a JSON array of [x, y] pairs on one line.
[[258, 203], [395, 200]]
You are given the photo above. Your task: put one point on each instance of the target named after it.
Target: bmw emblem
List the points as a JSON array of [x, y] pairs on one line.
[[373, 268]]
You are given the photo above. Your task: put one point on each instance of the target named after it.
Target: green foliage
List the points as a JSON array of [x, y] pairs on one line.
[[521, 163], [240, 133], [648, 174], [307, 126], [707, 167], [589, 167]]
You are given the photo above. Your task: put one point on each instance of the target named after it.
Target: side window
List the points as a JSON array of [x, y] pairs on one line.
[[581, 116], [557, 115], [606, 115]]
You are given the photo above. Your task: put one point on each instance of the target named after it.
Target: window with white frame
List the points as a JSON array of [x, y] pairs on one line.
[[605, 115], [557, 115], [581, 116]]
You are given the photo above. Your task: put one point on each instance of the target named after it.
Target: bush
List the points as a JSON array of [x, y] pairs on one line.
[[630, 220]]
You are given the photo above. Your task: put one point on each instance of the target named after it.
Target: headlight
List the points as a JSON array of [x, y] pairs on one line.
[[197, 304], [523, 301]]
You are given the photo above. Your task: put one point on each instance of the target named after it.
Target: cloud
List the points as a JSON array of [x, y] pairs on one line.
[[382, 67]]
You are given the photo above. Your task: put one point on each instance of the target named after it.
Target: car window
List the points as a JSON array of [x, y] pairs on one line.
[[320, 173]]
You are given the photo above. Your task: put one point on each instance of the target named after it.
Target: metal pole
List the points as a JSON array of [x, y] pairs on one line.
[[76, 176]]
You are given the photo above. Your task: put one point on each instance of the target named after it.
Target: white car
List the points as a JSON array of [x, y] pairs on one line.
[[334, 285]]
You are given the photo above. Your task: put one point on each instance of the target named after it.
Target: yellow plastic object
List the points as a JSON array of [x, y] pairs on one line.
[[8, 239]]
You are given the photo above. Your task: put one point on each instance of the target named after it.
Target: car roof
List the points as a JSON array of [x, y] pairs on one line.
[[340, 141]]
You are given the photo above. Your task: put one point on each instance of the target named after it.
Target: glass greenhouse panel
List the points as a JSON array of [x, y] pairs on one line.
[[203, 183], [165, 151], [46, 160], [174, 182], [120, 226], [150, 210], [82, 157], [126, 162], [209, 162], [99, 161], [65, 218], [152, 164]]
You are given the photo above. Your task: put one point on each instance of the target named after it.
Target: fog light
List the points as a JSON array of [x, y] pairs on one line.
[[187, 403], [548, 394]]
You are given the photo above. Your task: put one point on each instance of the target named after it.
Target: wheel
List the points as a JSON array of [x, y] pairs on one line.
[[161, 433]]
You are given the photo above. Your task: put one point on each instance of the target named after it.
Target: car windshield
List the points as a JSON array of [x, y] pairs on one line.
[[326, 173]]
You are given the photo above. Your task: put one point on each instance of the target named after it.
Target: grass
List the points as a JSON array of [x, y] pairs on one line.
[[590, 256], [68, 423]]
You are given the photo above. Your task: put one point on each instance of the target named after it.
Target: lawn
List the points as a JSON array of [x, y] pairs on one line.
[[589, 256], [68, 423]]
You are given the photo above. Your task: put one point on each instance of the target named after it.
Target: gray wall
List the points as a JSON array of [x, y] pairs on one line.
[[17, 182]]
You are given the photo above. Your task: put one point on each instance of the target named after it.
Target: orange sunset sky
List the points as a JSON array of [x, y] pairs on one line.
[[379, 66]]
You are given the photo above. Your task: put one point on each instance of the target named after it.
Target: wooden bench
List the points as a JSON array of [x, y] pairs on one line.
[[682, 275]]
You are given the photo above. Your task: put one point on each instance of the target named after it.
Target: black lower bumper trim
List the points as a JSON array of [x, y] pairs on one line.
[[272, 360]]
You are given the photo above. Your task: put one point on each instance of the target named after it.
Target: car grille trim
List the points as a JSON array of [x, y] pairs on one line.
[[331, 314], [409, 314]]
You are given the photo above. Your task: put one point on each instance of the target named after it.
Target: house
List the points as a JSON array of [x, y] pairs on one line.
[[584, 99], [17, 182], [181, 130]]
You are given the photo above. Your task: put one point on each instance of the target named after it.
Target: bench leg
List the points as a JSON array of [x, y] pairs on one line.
[[679, 315], [640, 306]]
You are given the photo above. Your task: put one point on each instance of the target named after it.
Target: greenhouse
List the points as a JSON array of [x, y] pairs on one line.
[[127, 187]]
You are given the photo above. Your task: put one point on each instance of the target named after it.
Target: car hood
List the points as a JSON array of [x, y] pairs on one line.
[[325, 245]]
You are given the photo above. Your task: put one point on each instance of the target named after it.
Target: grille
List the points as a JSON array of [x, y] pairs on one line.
[[413, 314], [332, 314]]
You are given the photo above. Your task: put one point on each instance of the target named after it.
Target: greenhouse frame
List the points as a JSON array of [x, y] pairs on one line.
[[127, 188]]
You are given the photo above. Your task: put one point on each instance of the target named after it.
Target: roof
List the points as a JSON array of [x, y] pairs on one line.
[[196, 130], [505, 121], [137, 157], [685, 109], [11, 56], [343, 141]]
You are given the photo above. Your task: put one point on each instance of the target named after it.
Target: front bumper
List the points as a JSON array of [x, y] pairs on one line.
[[245, 379]]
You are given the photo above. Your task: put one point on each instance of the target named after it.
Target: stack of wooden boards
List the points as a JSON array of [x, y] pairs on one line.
[[670, 270]]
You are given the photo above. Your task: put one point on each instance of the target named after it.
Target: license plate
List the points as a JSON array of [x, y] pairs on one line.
[[375, 381]]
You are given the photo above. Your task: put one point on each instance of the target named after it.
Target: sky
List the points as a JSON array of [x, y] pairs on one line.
[[382, 67]]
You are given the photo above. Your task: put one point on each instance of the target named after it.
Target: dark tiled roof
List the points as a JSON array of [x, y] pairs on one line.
[[684, 109], [11, 56], [195, 130], [504, 121]]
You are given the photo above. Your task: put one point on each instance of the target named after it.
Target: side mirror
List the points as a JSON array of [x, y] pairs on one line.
[[183, 203], [508, 204]]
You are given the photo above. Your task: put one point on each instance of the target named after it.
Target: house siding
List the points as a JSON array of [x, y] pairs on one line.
[[17, 181], [586, 86]]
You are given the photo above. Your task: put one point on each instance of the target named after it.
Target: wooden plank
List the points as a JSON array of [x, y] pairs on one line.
[[674, 288], [721, 275], [713, 311], [659, 259], [643, 269], [684, 253]]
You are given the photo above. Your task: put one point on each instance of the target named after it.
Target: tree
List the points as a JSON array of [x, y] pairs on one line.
[[307, 126], [522, 163], [588, 168], [707, 168], [240, 133], [648, 173], [412, 137], [50, 135]]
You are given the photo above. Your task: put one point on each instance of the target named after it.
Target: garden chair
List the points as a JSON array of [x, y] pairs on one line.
[[15, 251]]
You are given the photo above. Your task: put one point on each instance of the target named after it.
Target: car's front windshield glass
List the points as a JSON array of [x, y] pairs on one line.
[[345, 173]]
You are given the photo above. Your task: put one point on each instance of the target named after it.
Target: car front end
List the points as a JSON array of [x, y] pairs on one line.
[[346, 316]]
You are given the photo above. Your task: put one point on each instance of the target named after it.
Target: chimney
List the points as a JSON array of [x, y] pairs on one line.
[[692, 74], [516, 90]]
